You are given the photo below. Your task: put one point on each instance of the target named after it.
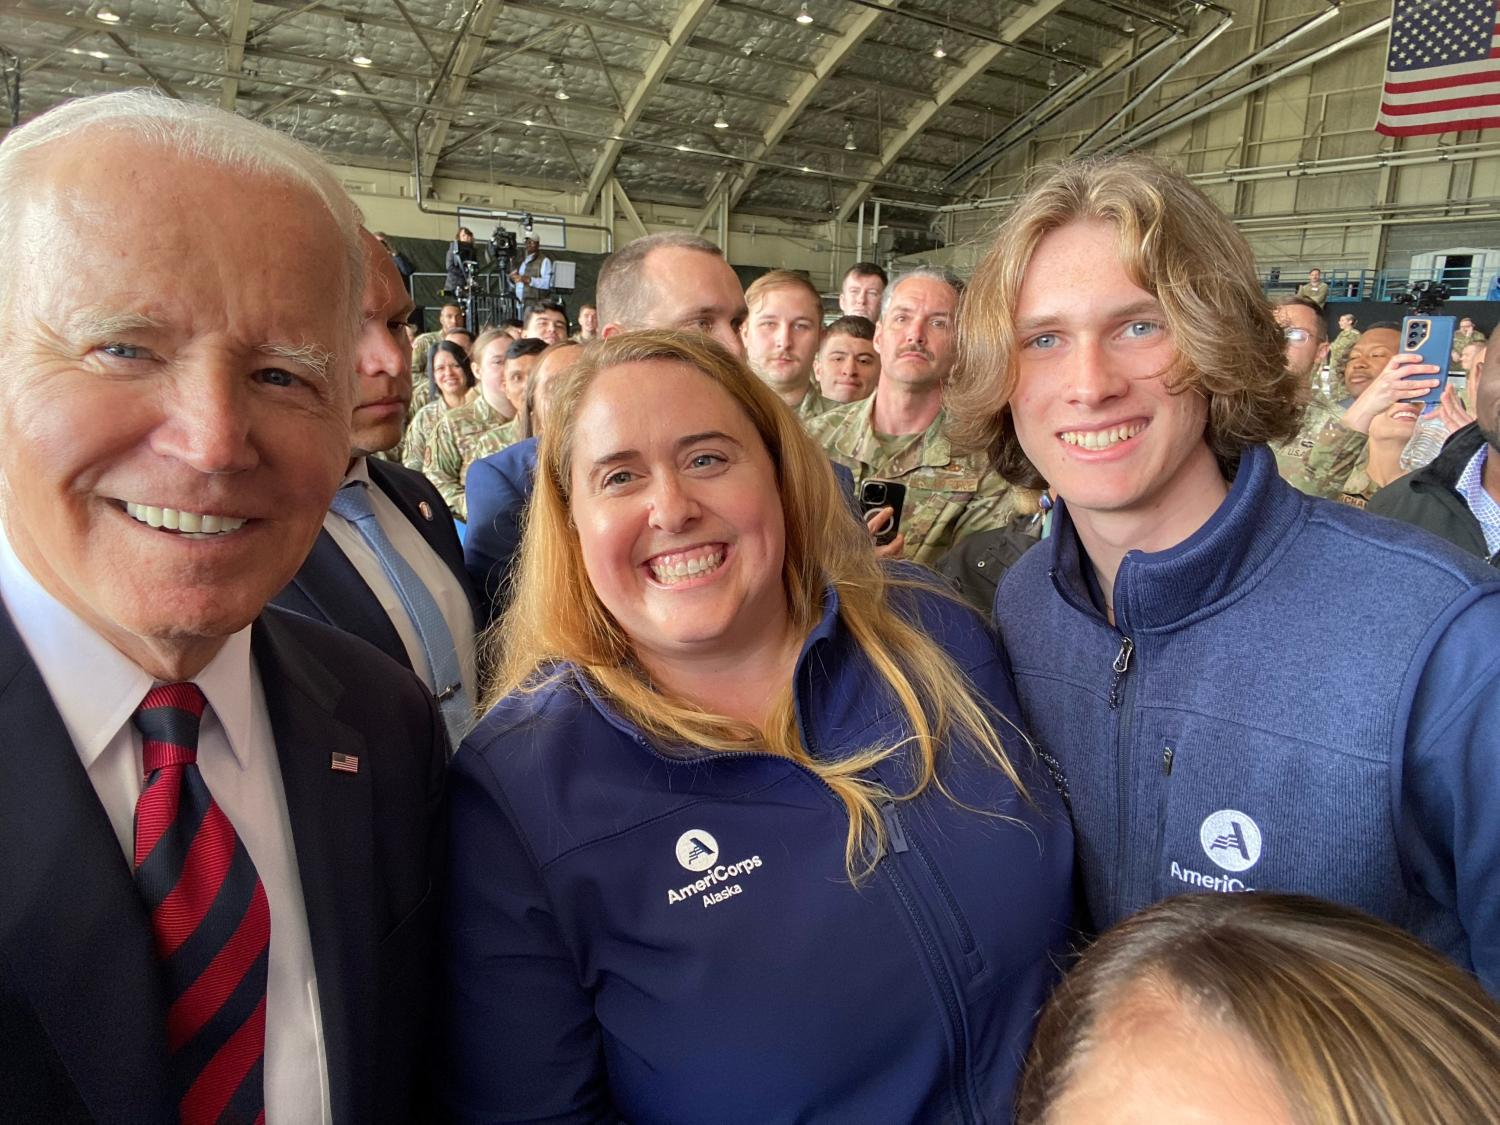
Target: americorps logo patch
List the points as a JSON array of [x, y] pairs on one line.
[[697, 850], [1231, 839], [717, 882]]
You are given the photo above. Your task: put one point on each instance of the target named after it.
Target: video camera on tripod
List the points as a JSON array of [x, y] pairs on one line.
[[1424, 296], [505, 247]]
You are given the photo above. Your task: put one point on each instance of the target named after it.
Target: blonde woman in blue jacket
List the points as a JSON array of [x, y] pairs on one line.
[[749, 833]]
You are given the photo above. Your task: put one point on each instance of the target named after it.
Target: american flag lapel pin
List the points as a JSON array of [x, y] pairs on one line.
[[426, 509], [344, 763]]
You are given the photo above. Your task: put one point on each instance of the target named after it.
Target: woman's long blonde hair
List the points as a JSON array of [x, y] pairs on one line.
[[1361, 1023], [554, 615]]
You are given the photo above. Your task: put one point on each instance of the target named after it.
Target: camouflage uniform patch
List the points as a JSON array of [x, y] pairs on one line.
[[451, 450], [421, 347], [814, 404], [1325, 453], [948, 496]]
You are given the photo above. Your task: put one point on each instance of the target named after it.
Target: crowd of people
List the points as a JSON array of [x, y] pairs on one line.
[[973, 709]]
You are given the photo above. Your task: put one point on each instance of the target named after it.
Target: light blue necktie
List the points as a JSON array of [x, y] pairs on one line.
[[353, 503]]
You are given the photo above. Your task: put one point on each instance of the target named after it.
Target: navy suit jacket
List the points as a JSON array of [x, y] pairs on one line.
[[82, 1013], [498, 488], [329, 589]]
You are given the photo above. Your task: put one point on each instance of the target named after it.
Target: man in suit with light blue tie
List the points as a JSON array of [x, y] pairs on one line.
[[388, 566]]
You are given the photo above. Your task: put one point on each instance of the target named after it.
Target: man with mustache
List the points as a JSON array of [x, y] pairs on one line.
[[781, 339], [897, 433]]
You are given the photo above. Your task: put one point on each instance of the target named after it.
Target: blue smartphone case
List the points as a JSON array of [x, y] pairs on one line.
[[1431, 337]]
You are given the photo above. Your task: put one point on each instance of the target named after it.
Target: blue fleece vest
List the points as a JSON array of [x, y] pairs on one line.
[[1246, 723]]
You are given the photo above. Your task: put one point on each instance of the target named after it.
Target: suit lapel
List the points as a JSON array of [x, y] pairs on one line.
[[435, 526], [75, 940], [329, 581], [332, 827]]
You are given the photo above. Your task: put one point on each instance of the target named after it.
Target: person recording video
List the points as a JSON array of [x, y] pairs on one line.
[[460, 251]]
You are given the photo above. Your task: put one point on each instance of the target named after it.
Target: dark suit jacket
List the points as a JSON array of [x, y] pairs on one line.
[[498, 488], [329, 589], [82, 1015]]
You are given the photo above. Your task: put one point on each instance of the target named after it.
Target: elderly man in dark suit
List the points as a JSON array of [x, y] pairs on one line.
[[217, 819], [388, 566]]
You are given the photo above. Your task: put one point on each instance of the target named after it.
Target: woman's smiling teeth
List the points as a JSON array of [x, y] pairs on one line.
[[190, 522], [670, 569], [1102, 439]]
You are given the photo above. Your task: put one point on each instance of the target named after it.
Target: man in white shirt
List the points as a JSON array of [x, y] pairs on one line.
[[217, 822], [532, 279], [348, 580]]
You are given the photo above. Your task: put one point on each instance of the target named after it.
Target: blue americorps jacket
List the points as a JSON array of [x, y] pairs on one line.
[[1299, 697], [651, 937]]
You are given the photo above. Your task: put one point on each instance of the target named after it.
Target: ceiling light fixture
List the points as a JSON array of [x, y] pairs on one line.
[[804, 17], [720, 122], [98, 54], [561, 95], [1129, 26], [359, 58], [106, 15], [940, 52], [1052, 77], [849, 144]]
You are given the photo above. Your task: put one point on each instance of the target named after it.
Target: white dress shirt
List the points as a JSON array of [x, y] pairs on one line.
[[451, 599], [97, 690], [542, 280]]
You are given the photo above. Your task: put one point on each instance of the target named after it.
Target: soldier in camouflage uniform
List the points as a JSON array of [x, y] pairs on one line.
[[897, 433], [451, 316], [1306, 346], [1338, 353], [781, 337], [1467, 334], [478, 428], [459, 439], [1377, 378]]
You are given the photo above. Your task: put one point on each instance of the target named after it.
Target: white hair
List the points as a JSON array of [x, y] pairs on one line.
[[936, 273], [196, 132]]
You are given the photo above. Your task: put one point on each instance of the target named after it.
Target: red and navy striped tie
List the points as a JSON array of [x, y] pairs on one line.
[[209, 917]]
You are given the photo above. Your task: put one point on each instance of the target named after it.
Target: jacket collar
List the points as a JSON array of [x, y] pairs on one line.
[[826, 630], [1161, 589], [1445, 469]]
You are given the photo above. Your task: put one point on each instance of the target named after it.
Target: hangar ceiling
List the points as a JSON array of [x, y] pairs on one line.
[[790, 108]]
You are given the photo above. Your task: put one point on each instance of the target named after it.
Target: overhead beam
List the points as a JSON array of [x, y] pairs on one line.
[[234, 53], [1075, 92], [827, 63], [31, 66], [688, 18], [165, 86], [450, 95], [980, 58], [628, 207]]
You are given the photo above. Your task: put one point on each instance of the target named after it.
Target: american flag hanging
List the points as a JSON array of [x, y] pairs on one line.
[[1442, 72]]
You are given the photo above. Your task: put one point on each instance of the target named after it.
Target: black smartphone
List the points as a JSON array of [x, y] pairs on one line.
[[877, 494], [1431, 337]]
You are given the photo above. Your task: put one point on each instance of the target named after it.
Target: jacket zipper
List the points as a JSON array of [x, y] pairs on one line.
[[898, 841], [891, 814], [1121, 698], [899, 844]]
